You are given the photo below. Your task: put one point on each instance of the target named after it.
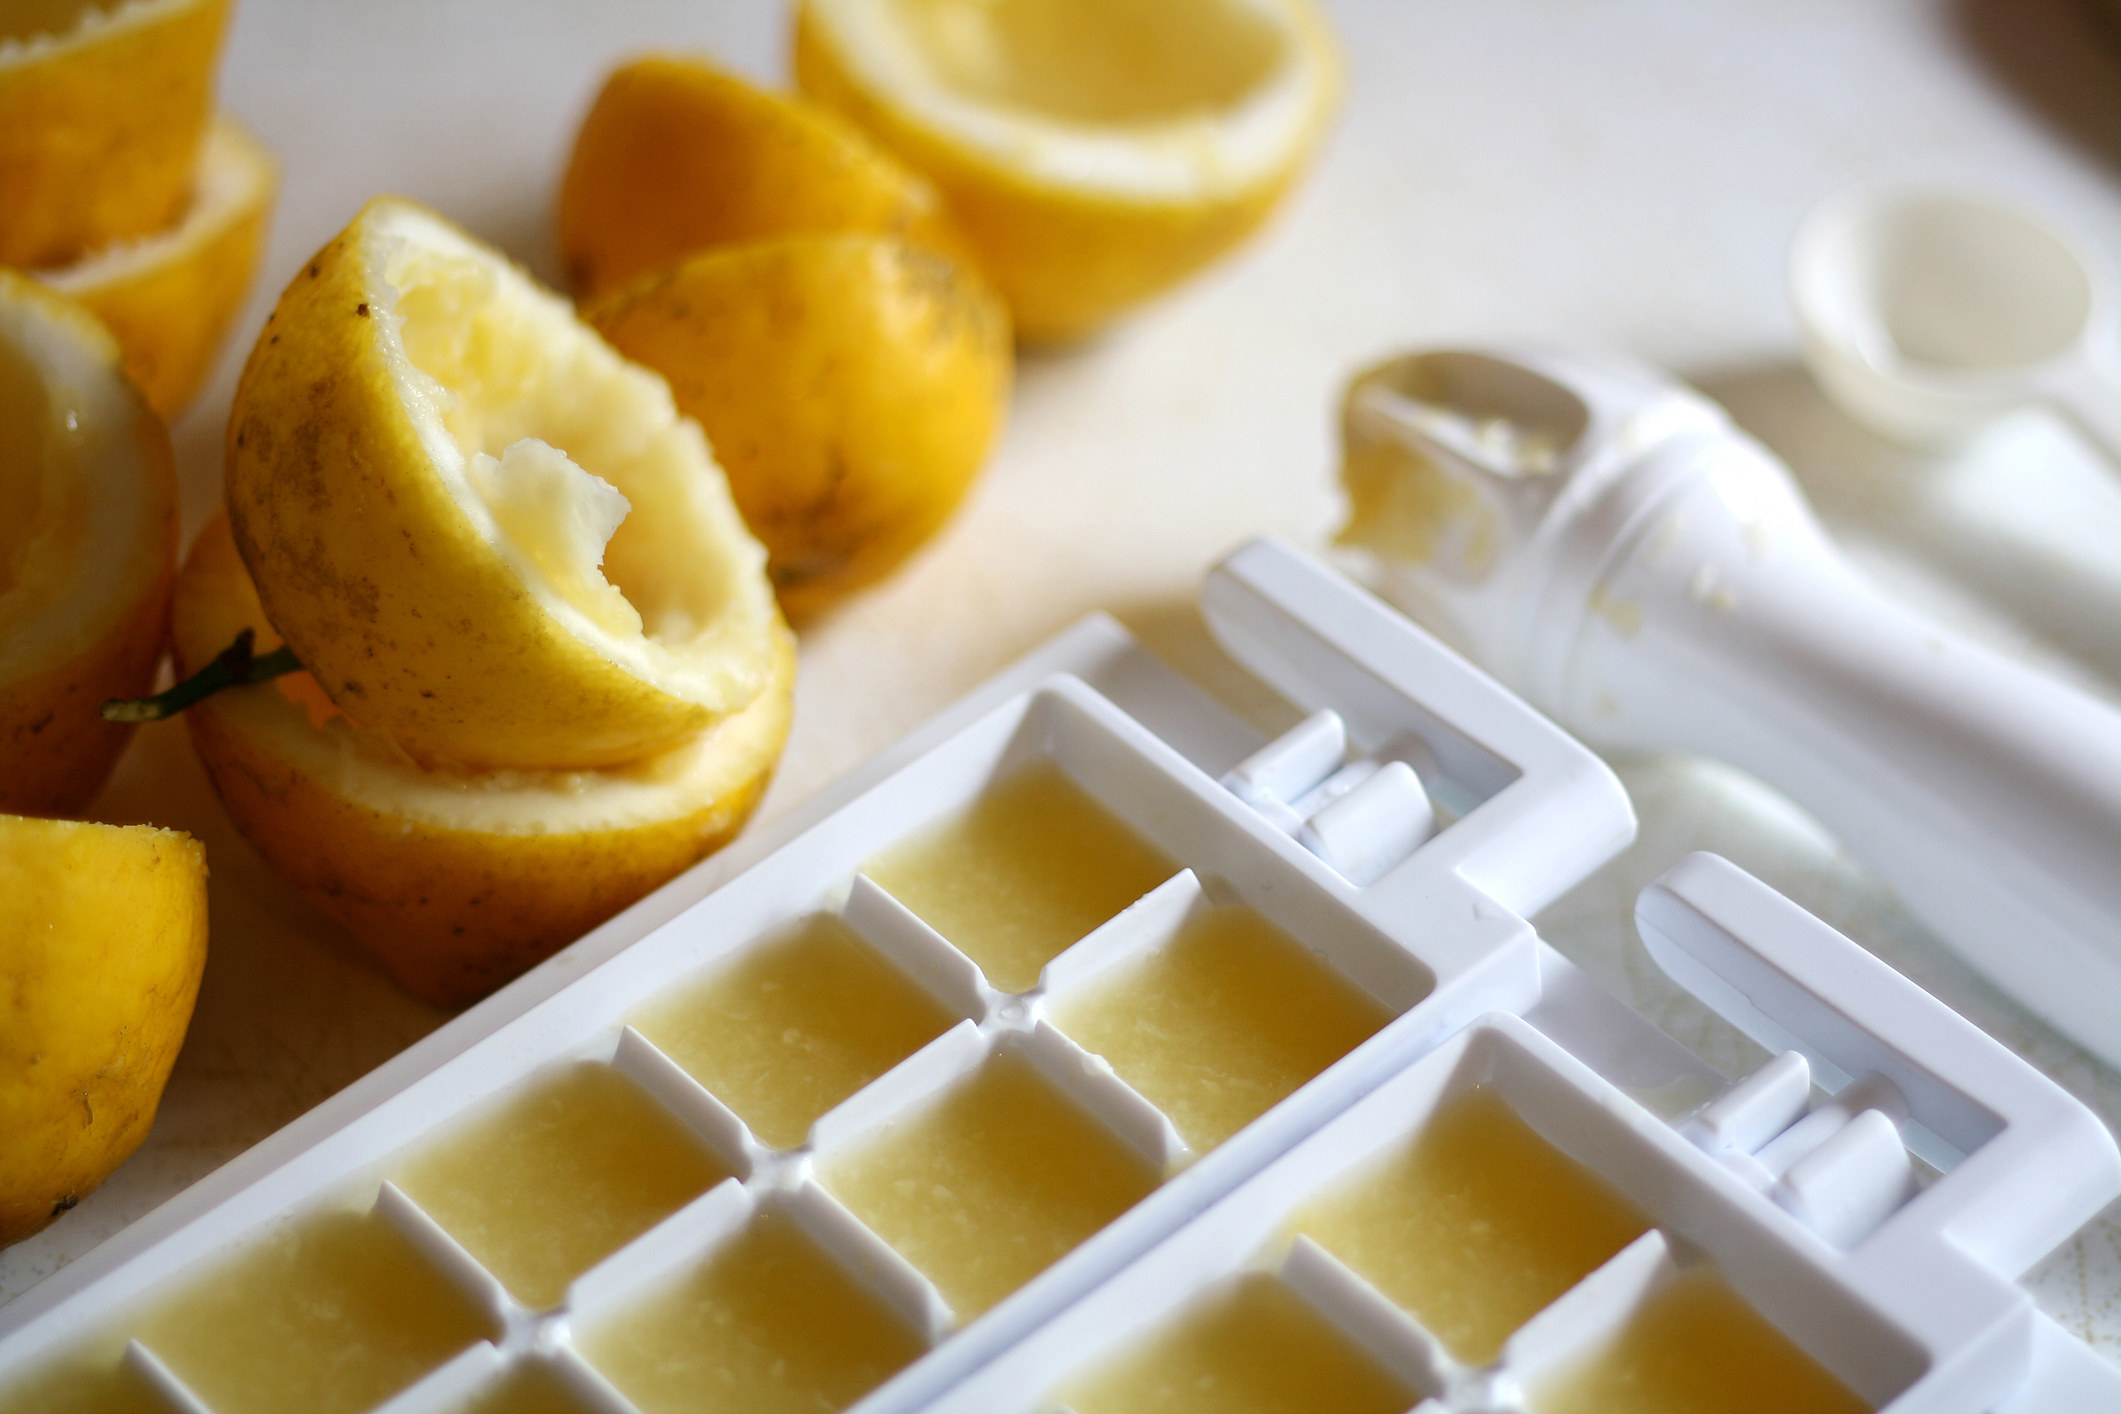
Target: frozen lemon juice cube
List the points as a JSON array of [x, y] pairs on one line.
[[86, 1383], [329, 1316], [1221, 1022], [559, 1179], [991, 1183], [1032, 866], [768, 1325], [1254, 1349], [1696, 1347], [796, 1026], [1475, 1226]]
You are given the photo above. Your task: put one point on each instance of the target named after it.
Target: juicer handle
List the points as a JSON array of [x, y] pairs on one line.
[[1986, 794], [2036, 1163]]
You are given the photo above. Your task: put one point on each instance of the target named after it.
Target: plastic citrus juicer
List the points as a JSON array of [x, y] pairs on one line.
[[1929, 315], [1610, 545]]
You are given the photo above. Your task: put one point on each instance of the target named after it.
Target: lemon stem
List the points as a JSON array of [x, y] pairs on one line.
[[234, 666]]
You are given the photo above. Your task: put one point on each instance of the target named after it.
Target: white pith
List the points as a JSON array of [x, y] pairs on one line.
[[77, 25], [1191, 157], [571, 463]]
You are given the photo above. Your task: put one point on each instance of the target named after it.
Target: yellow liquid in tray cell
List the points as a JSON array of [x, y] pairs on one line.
[[1696, 1347], [990, 1184], [1475, 1226], [332, 1315], [1032, 866], [1221, 1022], [551, 1184], [528, 1390], [83, 1385], [796, 1026], [767, 1325], [1254, 1349]]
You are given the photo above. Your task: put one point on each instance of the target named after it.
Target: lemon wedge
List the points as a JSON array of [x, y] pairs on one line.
[[88, 542], [454, 881], [1093, 152], [481, 529], [852, 385], [170, 298], [676, 156], [102, 107], [102, 943]]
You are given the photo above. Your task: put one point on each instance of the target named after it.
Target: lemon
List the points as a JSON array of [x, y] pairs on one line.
[[169, 298], [102, 941], [676, 156], [88, 542], [102, 107], [851, 386], [454, 881], [1093, 152], [481, 529]]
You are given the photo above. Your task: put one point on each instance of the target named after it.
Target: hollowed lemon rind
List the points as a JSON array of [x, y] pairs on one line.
[[470, 620], [170, 298], [1077, 216], [101, 114], [454, 881], [88, 536]]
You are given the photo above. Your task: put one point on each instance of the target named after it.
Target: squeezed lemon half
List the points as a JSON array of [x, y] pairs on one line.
[[170, 298], [480, 528], [88, 541], [851, 384], [1093, 152], [676, 157], [455, 881], [102, 107]]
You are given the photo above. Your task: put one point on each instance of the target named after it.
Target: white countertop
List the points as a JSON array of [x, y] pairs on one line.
[[1622, 174]]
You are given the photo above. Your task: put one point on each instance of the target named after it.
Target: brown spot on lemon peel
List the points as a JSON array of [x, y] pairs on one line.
[[235, 666]]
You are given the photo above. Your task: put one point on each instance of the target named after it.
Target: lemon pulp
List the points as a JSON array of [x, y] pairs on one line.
[[560, 444], [1474, 1226], [1033, 865], [989, 1185], [1696, 1347], [795, 1026], [330, 1316], [769, 1325], [1253, 1349], [559, 1179], [1221, 1022]]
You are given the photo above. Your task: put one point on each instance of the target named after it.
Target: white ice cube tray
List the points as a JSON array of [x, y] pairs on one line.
[[1331, 832]]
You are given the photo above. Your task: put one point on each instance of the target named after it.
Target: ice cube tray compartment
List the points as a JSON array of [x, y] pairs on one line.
[[1423, 944], [1909, 1304]]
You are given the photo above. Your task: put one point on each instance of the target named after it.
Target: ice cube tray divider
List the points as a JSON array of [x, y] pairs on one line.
[[162, 1381], [1147, 746], [1912, 1304]]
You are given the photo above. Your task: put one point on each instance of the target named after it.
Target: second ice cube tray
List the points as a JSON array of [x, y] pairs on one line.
[[1506, 1227]]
